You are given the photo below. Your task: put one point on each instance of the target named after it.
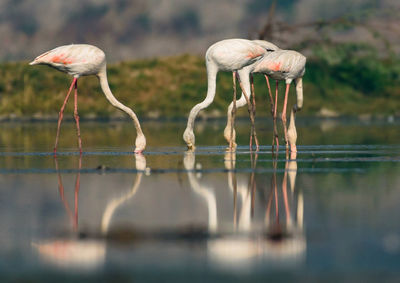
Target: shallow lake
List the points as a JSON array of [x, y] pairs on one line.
[[171, 215]]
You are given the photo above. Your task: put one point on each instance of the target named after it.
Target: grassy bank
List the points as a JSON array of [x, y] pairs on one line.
[[346, 79]]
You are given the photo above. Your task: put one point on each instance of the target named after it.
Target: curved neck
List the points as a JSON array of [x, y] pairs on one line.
[[102, 75], [211, 87]]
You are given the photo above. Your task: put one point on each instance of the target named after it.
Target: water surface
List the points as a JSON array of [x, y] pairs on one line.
[[170, 215]]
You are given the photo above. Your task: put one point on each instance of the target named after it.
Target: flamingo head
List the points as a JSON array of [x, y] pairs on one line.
[[227, 133], [140, 143], [188, 137]]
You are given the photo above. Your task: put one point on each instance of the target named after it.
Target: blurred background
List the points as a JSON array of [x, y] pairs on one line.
[[129, 29], [352, 49]]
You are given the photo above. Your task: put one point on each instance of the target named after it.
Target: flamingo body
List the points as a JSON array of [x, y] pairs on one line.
[[75, 59], [284, 65], [83, 60], [233, 54]]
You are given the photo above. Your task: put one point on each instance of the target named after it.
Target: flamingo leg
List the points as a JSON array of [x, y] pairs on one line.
[[233, 114], [270, 95], [253, 106], [275, 139], [249, 109], [61, 113], [284, 116], [76, 116]]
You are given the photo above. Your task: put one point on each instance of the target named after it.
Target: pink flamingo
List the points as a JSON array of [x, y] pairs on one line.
[[226, 55], [229, 129], [289, 66], [83, 60]]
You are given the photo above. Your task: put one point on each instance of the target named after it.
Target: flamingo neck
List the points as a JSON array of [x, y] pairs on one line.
[[211, 87], [114, 102]]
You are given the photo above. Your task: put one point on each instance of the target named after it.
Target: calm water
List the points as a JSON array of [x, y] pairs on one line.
[[333, 213]]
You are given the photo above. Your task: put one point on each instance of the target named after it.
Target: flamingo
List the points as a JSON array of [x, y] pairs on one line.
[[229, 129], [226, 55], [84, 60], [289, 66]]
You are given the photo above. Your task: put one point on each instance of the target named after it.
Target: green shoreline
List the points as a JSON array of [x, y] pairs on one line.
[[170, 86]]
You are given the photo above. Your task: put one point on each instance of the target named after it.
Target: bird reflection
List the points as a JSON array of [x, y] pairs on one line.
[[84, 253], [280, 237], [208, 194], [117, 202], [284, 238], [73, 216]]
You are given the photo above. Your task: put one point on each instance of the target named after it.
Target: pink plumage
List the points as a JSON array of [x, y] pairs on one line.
[[226, 55], [75, 59], [245, 57], [83, 60]]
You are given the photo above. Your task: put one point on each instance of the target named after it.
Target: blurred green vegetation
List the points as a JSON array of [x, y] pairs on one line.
[[349, 79], [353, 79]]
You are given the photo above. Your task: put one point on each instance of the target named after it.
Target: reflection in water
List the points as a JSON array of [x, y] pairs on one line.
[[208, 194], [117, 202], [285, 239], [73, 216], [264, 226], [277, 241], [77, 252]]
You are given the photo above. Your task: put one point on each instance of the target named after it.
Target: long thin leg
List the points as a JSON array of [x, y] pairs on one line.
[[249, 109], [61, 113], [233, 113], [284, 116], [270, 95], [275, 139], [76, 116], [253, 107]]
